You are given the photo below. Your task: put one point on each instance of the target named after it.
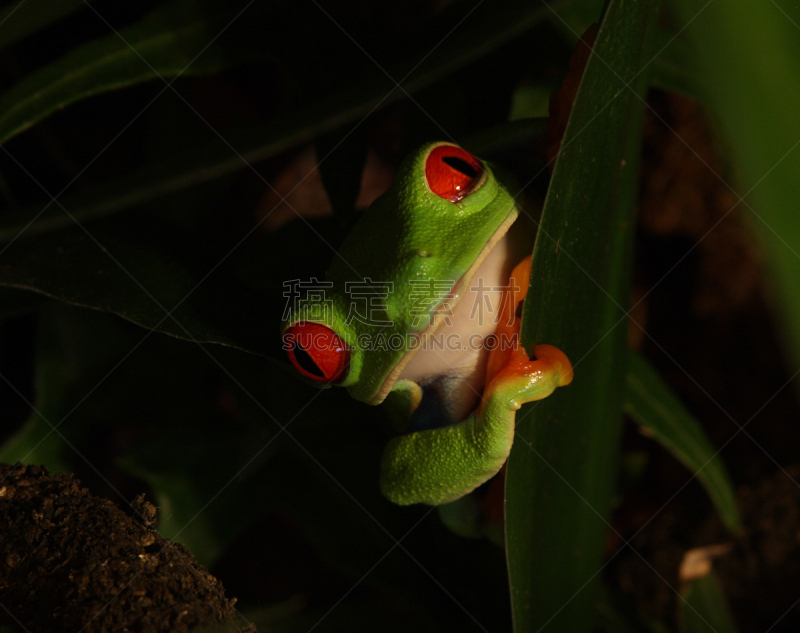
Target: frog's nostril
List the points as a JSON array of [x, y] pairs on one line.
[[316, 351], [452, 172]]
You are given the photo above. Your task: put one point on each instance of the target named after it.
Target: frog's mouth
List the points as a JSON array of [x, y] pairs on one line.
[[426, 362]]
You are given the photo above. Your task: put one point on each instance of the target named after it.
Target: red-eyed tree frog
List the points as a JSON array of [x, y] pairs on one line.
[[422, 306]]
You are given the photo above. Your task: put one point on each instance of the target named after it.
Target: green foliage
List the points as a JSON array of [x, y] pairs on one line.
[[163, 45], [21, 19], [760, 123], [563, 466], [137, 144], [704, 607], [652, 404]]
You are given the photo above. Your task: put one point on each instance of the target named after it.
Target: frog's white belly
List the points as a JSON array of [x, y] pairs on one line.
[[456, 349]]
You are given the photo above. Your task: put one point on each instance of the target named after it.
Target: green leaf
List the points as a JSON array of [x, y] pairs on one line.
[[530, 101], [151, 274], [26, 17], [474, 39], [509, 144], [74, 352], [573, 19], [563, 464], [748, 56], [169, 42], [704, 608], [674, 68], [14, 302], [206, 474], [651, 403]]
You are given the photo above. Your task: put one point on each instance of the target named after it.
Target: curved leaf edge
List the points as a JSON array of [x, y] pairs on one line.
[[652, 404]]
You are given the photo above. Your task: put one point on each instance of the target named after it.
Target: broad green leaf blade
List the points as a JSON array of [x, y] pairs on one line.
[[15, 302], [151, 274], [476, 37], [75, 351], [35, 442], [704, 608], [563, 464], [651, 404], [168, 42], [201, 481], [26, 17], [748, 54]]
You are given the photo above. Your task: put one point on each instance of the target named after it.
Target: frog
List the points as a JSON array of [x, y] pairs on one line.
[[396, 322]]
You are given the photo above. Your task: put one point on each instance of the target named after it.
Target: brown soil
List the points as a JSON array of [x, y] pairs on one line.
[[72, 561]]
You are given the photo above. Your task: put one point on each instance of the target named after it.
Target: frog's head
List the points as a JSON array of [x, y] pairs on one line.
[[406, 262]]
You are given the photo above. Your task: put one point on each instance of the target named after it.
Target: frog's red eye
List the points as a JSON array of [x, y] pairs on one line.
[[452, 172], [316, 351]]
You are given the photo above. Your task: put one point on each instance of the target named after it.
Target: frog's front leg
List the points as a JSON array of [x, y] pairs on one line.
[[440, 465]]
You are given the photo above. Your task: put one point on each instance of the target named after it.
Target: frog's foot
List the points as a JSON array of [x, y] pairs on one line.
[[440, 465], [523, 380]]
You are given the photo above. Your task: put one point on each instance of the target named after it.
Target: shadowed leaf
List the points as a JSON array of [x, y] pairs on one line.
[[563, 464], [651, 403]]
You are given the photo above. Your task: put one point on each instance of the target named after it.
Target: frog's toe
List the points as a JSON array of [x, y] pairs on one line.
[[557, 362], [440, 465], [524, 380]]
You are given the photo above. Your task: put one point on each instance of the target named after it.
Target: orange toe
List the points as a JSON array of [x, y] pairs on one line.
[[555, 356]]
